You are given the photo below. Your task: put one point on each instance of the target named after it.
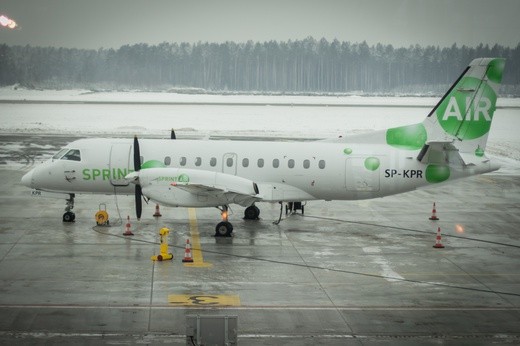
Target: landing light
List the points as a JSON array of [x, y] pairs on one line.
[[459, 228], [224, 215]]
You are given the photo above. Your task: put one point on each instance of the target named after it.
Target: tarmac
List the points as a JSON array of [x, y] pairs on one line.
[[343, 273]]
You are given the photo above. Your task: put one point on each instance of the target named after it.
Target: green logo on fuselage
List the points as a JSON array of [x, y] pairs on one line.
[[105, 174], [181, 178]]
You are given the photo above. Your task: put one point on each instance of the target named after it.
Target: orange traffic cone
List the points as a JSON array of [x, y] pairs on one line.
[[127, 228], [188, 258], [157, 211], [434, 214], [438, 244]]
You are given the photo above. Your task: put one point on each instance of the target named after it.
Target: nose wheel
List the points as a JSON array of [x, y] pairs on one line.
[[224, 228], [69, 216]]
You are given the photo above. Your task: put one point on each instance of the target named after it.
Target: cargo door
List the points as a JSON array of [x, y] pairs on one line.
[[362, 174], [119, 163]]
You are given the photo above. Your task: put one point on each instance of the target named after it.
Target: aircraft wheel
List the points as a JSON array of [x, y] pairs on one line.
[[69, 217], [252, 213], [223, 229]]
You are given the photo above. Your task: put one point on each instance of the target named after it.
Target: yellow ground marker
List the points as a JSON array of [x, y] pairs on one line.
[[203, 300], [196, 249]]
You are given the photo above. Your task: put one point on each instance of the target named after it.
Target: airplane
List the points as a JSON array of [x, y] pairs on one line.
[[448, 144]]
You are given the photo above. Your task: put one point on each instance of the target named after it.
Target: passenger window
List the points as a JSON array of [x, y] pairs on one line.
[[245, 162], [167, 160], [260, 163], [213, 162], [182, 161], [229, 162], [276, 163], [306, 164], [72, 155], [321, 164], [291, 163], [198, 161]]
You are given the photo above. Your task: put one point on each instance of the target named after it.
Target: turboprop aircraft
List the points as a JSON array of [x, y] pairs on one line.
[[449, 144]]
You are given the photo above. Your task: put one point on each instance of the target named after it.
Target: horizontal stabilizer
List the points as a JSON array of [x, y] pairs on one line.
[[436, 151], [444, 152]]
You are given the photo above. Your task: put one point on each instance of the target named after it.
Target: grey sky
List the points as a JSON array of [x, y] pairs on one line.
[[113, 23]]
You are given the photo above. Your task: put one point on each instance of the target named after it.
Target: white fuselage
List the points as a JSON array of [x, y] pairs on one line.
[[293, 171]]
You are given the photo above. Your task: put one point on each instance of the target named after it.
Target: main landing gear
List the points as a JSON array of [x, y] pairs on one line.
[[69, 215], [252, 213], [225, 227]]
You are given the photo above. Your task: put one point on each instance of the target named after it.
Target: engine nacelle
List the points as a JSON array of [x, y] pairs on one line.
[[195, 188]]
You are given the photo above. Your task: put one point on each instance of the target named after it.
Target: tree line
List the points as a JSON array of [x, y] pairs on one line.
[[307, 65]]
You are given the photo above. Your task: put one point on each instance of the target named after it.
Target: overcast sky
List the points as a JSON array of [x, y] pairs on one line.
[[113, 23]]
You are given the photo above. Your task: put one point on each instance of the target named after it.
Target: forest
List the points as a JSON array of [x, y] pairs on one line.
[[299, 66]]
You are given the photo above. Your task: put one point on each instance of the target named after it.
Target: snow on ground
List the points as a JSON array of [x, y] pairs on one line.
[[21, 94], [125, 119], [265, 116], [77, 95]]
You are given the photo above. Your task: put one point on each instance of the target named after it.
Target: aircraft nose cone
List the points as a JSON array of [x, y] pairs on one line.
[[27, 179]]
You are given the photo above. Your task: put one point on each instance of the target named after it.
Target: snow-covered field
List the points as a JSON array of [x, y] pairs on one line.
[[143, 113], [19, 94]]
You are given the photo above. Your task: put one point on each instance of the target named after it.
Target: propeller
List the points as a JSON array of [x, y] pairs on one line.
[[138, 191]]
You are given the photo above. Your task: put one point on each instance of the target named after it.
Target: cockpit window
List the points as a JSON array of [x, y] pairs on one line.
[[72, 155], [59, 154]]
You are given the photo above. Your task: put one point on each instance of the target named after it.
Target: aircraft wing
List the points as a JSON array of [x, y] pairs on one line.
[[200, 188], [195, 188], [229, 193]]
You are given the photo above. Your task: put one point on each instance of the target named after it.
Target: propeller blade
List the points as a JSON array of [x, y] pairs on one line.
[[137, 155], [138, 201], [138, 191], [172, 136]]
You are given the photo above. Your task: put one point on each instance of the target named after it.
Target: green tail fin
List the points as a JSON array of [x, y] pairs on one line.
[[465, 113]]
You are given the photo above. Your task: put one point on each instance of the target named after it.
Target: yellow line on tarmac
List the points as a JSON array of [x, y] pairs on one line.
[[196, 249], [204, 300]]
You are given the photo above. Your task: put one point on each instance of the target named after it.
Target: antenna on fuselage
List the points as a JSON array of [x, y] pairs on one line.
[[172, 136]]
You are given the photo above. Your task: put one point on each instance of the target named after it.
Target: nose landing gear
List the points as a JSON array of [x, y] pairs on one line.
[[69, 215]]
